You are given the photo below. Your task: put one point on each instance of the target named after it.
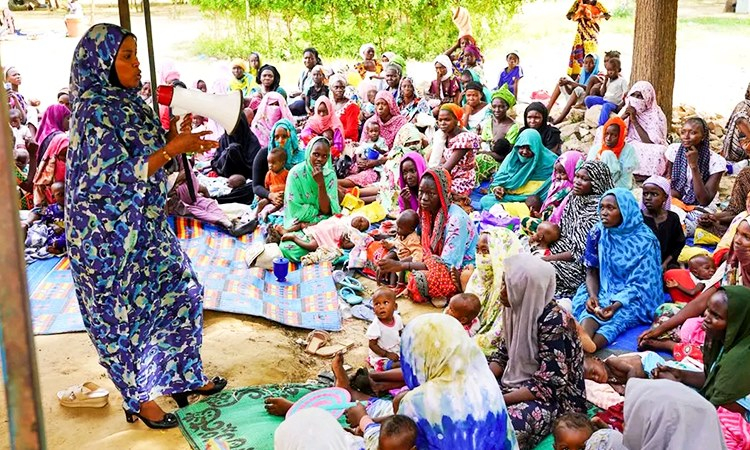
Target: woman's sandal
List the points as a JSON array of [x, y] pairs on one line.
[[86, 395], [182, 398], [317, 339], [169, 420]]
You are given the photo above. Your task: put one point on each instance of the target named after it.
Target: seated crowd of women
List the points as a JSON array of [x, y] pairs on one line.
[[575, 229]]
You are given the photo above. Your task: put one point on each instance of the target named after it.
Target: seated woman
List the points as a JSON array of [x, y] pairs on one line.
[[619, 156], [346, 109], [580, 214], [284, 136], [236, 153], [495, 128], [369, 67], [392, 79], [268, 80], [310, 194], [448, 242], [536, 117], [53, 140], [573, 88], [445, 89], [387, 116], [724, 381], [271, 109], [476, 108], [561, 187], [657, 214], [538, 357], [408, 101], [623, 271], [717, 223], [737, 140], [460, 149], [695, 171], [411, 169], [526, 171], [324, 123], [55, 121], [469, 56], [647, 129]]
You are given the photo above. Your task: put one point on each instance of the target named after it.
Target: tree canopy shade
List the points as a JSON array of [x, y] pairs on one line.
[[410, 28], [655, 47]]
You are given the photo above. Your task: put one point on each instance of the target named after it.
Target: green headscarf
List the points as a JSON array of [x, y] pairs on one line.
[[726, 359], [505, 95], [294, 154], [516, 171], [301, 195]]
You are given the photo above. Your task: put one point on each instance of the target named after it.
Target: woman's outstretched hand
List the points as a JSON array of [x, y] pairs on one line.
[[191, 143]]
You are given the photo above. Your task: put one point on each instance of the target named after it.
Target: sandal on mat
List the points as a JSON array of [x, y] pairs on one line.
[[352, 283], [315, 340], [87, 395], [350, 296]]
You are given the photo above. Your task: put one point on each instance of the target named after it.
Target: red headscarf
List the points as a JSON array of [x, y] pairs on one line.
[[433, 227], [617, 149], [318, 124]]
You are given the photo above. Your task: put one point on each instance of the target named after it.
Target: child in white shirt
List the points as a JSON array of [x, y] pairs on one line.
[[384, 332], [615, 87]]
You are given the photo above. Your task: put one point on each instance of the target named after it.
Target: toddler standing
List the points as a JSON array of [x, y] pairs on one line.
[[406, 247], [384, 332]]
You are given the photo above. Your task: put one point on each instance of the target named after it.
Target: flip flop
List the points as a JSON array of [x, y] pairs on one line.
[[350, 296], [362, 312], [352, 283], [317, 339], [338, 276], [86, 395]]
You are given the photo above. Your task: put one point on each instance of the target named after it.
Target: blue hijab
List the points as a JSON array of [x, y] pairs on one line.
[[585, 76], [516, 171], [294, 155]]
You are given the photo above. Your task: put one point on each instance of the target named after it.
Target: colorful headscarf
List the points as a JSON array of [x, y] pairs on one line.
[[617, 149], [663, 184], [530, 282], [388, 130], [294, 155], [680, 166], [454, 398], [268, 114], [732, 149], [559, 191], [738, 259], [650, 117], [585, 76], [421, 166], [253, 72], [301, 203], [52, 121], [444, 61], [318, 124], [486, 282], [239, 62], [433, 227], [472, 49], [505, 95], [454, 109], [516, 171], [364, 87], [726, 359]]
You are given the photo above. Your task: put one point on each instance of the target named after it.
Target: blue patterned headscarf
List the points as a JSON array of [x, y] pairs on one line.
[[294, 155], [454, 399], [680, 166]]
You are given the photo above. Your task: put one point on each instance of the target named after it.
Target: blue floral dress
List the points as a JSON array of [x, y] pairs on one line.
[[139, 297]]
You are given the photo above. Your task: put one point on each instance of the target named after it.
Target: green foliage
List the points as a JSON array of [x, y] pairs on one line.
[[283, 28]]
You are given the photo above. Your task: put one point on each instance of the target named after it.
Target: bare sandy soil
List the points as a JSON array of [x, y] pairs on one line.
[[713, 69]]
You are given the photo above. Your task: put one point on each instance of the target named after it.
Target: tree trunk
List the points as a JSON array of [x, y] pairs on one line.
[[654, 49], [729, 6]]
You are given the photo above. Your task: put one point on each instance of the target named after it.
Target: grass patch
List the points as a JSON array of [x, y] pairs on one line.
[[730, 22]]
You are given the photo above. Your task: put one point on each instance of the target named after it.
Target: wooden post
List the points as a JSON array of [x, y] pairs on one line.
[[124, 7], [654, 49], [25, 423]]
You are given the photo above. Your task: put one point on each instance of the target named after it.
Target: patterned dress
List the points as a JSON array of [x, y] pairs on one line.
[[139, 297], [464, 173], [558, 385]]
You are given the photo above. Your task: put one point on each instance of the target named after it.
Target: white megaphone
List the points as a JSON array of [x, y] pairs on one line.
[[223, 108]]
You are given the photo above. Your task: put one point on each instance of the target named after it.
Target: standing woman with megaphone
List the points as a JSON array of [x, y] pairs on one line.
[[139, 297]]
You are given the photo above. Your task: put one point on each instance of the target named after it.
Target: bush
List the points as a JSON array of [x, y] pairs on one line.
[[417, 29]]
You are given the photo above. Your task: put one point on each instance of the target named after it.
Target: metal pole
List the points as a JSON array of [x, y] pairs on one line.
[[25, 422], [124, 7], [152, 68]]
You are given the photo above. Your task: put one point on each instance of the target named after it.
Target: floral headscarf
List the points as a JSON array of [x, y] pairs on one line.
[[272, 108], [650, 117], [433, 228]]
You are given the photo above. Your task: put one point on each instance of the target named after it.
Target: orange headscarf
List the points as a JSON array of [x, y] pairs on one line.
[[456, 110], [617, 149]]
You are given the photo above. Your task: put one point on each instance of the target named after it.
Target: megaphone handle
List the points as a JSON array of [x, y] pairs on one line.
[[188, 177]]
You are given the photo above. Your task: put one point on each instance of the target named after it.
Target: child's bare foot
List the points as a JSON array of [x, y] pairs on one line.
[[277, 406], [456, 278]]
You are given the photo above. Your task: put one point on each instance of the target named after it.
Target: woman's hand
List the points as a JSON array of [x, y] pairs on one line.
[[276, 198], [317, 173], [692, 157], [629, 114], [592, 304], [355, 414], [176, 128], [608, 312], [190, 143], [405, 194], [651, 333], [707, 220], [667, 373], [499, 192], [392, 356], [390, 266]]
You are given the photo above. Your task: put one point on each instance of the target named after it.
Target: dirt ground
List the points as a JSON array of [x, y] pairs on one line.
[[712, 74]]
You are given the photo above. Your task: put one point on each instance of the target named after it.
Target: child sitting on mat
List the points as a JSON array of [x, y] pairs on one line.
[[275, 182], [384, 332], [46, 226], [405, 247], [465, 308]]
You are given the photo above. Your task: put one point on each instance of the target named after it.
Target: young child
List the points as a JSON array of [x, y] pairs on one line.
[[398, 432], [21, 133], [367, 108], [316, 90], [407, 246], [693, 281], [465, 308], [571, 431], [547, 233], [385, 331], [21, 157], [363, 173], [374, 140], [534, 203], [512, 74], [656, 202], [45, 227], [275, 182], [595, 84], [615, 87], [326, 233], [616, 370]]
